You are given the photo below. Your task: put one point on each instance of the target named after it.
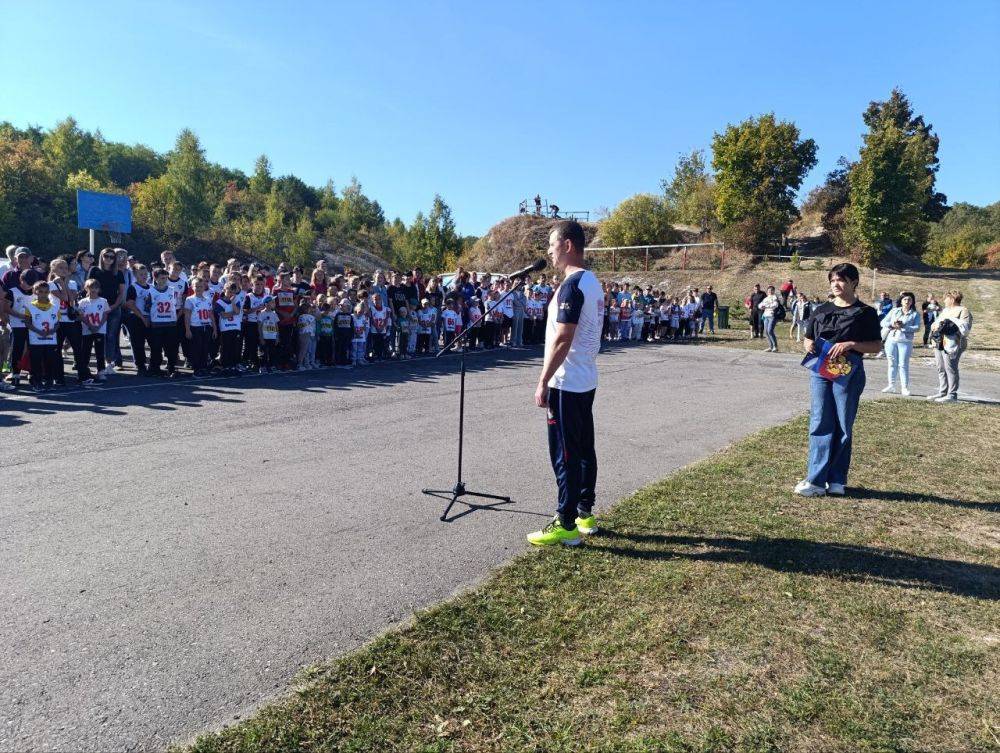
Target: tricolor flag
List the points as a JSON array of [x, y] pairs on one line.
[[837, 369]]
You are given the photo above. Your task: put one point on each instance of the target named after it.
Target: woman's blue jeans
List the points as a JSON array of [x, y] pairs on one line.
[[772, 339], [112, 344], [831, 427]]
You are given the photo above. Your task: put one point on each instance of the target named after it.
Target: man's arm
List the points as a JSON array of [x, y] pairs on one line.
[[554, 357]]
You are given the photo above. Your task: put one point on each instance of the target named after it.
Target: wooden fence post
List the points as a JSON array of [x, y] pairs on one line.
[[684, 263]]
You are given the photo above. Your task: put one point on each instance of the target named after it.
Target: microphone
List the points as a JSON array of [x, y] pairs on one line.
[[535, 266]]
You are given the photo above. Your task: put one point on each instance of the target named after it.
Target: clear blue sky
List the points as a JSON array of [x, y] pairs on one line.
[[486, 104]]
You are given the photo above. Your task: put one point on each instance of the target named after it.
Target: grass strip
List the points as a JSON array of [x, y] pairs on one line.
[[716, 612]]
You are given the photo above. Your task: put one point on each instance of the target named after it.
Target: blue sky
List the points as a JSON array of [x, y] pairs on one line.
[[486, 104]]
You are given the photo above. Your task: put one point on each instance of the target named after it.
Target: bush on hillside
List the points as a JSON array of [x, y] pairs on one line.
[[642, 220]]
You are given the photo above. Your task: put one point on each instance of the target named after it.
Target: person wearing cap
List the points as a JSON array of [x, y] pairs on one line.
[[21, 262]]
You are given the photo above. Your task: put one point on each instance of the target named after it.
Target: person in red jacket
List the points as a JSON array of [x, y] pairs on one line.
[[787, 289], [286, 303]]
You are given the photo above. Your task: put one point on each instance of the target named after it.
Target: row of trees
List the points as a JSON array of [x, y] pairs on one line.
[[181, 199], [884, 198]]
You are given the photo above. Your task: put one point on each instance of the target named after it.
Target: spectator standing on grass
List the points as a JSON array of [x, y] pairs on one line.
[[853, 329], [787, 289], [753, 306], [898, 328], [801, 309], [769, 311], [950, 335], [929, 310], [709, 302]]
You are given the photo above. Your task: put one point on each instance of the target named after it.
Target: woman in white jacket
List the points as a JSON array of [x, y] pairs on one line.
[[769, 307], [950, 336], [898, 328]]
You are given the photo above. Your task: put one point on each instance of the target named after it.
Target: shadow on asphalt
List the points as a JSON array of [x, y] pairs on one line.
[[845, 561], [127, 389]]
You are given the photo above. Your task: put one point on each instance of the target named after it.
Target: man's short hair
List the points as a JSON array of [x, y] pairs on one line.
[[572, 231], [955, 295]]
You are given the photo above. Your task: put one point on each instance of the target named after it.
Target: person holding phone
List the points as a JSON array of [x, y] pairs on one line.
[[852, 329]]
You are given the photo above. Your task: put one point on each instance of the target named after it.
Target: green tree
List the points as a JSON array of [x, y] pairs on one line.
[[34, 204], [302, 241], [829, 203], [359, 212], [261, 180], [70, 149], [642, 220], [892, 194], [132, 164], [759, 165], [691, 192], [153, 209], [190, 205]]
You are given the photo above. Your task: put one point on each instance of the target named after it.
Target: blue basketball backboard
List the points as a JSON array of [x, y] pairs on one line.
[[103, 211]]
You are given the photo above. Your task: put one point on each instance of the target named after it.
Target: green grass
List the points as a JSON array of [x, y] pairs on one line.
[[717, 612]]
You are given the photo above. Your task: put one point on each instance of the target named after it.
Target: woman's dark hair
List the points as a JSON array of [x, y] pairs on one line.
[[903, 295], [845, 272]]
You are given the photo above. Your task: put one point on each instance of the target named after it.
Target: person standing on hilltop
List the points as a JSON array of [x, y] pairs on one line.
[[567, 386]]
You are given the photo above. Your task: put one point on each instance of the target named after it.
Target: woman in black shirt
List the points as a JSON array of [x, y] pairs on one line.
[[853, 329], [113, 291]]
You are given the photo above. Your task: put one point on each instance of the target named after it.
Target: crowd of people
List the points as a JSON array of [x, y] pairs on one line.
[[235, 318], [945, 329]]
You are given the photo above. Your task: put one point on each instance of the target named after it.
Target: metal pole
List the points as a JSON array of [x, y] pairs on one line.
[[873, 283], [91, 241], [647, 260]]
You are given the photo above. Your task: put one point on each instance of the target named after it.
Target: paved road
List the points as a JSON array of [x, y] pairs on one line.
[[172, 554]]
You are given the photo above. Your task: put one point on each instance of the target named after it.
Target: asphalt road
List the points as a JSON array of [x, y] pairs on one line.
[[173, 553]]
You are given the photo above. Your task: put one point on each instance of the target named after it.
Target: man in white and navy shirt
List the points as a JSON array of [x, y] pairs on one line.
[[567, 386]]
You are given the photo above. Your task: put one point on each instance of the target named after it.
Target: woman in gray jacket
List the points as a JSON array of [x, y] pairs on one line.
[[898, 328], [950, 336]]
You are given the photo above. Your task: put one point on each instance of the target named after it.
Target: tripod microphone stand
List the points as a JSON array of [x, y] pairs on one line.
[[458, 491]]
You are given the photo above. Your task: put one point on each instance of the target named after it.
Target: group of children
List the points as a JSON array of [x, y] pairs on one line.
[[653, 315], [238, 318]]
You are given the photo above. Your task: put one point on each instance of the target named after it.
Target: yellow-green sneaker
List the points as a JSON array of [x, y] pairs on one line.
[[554, 533], [587, 525]]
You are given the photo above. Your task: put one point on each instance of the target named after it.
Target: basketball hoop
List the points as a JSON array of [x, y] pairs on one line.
[[109, 213]]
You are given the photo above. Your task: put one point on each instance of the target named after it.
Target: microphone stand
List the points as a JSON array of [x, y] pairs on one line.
[[458, 491]]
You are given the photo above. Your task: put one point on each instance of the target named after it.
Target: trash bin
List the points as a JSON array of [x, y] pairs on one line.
[[723, 317]]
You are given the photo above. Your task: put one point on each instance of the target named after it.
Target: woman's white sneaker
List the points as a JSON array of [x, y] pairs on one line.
[[905, 391], [836, 490], [805, 489], [890, 388]]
